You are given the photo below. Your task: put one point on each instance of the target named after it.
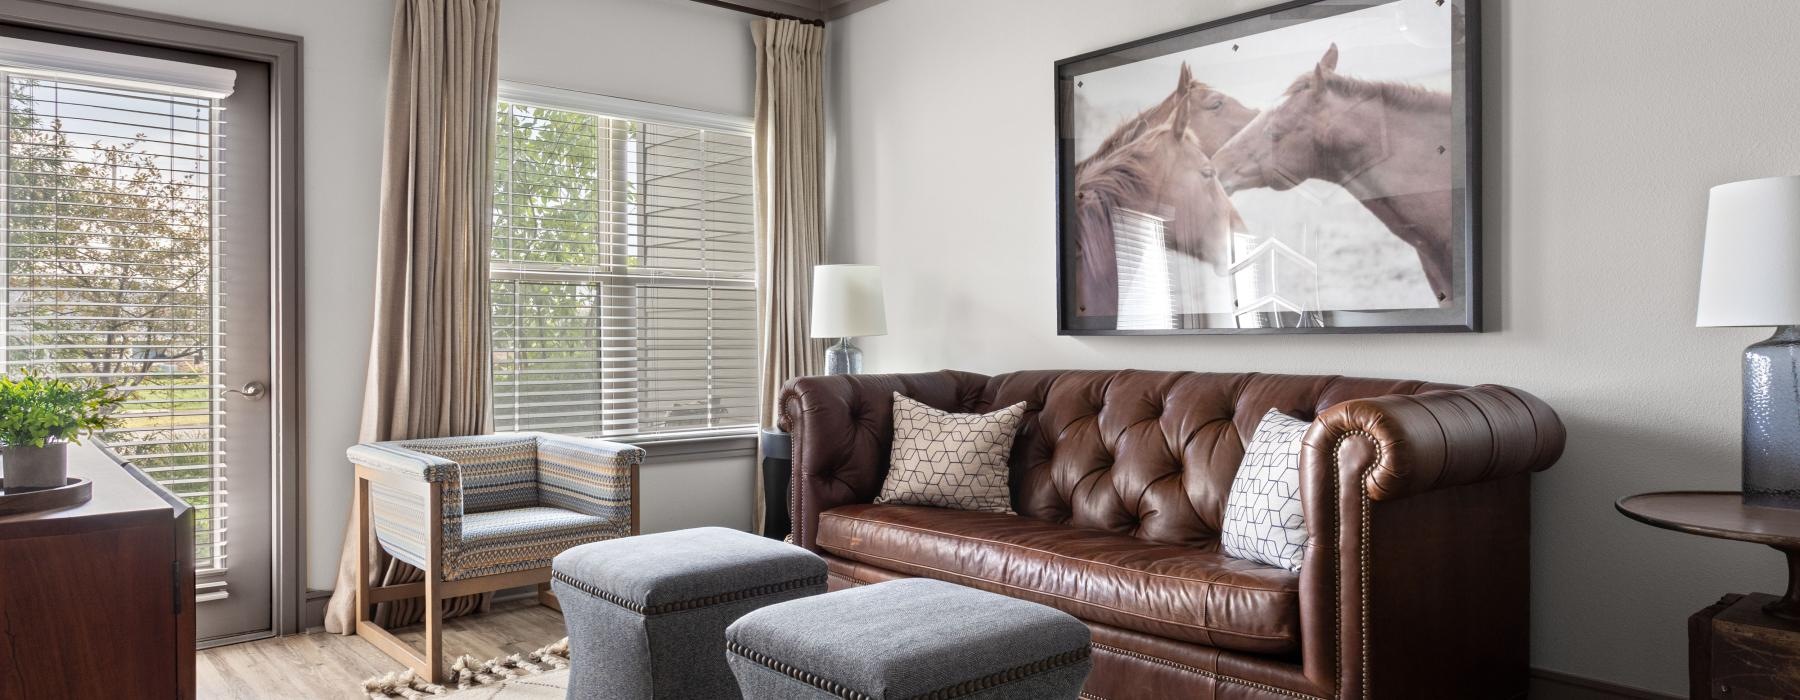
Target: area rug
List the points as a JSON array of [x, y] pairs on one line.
[[540, 674], [550, 685]]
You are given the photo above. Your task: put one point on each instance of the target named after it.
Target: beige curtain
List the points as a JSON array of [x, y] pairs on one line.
[[790, 204], [428, 359]]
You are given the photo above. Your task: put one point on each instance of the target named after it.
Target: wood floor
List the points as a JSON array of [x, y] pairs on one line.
[[330, 666]]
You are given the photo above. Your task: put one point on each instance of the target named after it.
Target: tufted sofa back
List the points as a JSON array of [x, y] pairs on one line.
[[1147, 454]]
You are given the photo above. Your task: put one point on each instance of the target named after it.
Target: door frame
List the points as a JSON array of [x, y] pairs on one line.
[[282, 54]]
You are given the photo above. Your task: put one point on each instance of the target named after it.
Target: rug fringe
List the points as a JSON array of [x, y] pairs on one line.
[[469, 672], [401, 684]]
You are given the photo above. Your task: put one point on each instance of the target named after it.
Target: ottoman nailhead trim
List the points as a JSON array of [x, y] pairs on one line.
[[809, 678], [1073, 656], [962, 689], [692, 603]]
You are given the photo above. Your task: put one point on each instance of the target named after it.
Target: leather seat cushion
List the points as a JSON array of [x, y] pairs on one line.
[[1191, 593]]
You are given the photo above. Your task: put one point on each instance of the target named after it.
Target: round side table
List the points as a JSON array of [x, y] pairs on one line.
[[1723, 514]]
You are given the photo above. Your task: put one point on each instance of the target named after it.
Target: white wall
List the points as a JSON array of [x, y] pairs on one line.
[[674, 52], [670, 51], [690, 485], [1605, 121]]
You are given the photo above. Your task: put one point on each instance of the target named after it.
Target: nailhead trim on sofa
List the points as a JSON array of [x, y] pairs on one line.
[[1222, 678], [1362, 564]]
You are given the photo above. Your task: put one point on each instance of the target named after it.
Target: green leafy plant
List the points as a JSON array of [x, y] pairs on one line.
[[36, 409]]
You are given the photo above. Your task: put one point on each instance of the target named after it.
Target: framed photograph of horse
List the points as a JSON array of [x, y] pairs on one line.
[[1307, 168]]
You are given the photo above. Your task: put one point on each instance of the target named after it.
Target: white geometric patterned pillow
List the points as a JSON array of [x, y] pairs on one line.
[[1263, 518], [950, 460]]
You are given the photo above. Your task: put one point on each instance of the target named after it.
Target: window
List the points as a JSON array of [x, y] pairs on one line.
[[623, 269], [112, 267]]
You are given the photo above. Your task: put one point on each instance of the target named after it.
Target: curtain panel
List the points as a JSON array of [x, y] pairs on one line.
[[429, 353], [790, 205]]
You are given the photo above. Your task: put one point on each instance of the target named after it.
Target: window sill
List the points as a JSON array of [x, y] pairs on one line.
[[742, 443]]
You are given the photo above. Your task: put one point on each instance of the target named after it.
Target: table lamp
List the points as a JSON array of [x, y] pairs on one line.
[[847, 303], [1750, 276]]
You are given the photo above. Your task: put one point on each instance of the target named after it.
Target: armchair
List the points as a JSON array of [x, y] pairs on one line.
[[479, 514]]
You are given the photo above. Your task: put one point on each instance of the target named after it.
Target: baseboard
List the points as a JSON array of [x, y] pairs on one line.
[[312, 614], [1556, 685], [313, 617], [507, 595]]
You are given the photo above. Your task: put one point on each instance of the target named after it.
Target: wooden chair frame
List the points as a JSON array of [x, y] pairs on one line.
[[434, 589]]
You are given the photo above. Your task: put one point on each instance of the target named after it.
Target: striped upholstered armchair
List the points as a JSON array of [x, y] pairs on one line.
[[482, 513]]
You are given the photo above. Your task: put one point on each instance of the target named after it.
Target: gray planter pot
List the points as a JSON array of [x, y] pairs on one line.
[[27, 467]]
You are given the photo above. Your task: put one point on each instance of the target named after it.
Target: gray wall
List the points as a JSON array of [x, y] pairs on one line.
[[1606, 123], [669, 51]]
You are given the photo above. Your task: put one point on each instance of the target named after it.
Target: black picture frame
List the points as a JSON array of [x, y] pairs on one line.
[[1465, 315]]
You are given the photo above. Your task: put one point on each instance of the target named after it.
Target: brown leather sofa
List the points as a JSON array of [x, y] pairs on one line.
[[1415, 585]]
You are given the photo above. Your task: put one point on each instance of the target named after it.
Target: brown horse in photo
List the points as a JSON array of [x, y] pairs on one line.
[[1386, 143], [1163, 172], [1214, 117], [1156, 163]]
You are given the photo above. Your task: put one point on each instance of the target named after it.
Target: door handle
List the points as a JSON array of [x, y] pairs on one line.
[[253, 391]]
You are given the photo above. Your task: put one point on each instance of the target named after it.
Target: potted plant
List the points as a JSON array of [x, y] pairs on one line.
[[39, 416]]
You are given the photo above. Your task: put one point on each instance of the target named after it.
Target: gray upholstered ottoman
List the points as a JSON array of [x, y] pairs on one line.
[[647, 614], [912, 638]]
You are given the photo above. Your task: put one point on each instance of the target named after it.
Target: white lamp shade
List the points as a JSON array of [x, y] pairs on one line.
[[847, 302], [1750, 270]]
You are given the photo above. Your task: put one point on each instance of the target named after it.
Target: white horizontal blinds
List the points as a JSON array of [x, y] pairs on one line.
[[558, 223], [550, 352], [697, 214], [697, 339], [623, 292], [695, 354], [112, 263]]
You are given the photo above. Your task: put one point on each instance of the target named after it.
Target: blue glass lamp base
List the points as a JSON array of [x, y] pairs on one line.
[[843, 358], [1772, 420]]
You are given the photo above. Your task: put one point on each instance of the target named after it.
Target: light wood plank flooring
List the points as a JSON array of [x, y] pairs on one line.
[[330, 666]]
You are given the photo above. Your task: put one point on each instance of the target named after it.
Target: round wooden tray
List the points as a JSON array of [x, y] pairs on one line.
[[1725, 515], [74, 493]]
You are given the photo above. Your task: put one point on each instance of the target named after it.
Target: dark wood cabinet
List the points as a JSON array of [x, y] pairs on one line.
[[1736, 651], [97, 600]]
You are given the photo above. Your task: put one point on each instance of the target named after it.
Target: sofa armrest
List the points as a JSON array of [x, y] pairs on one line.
[[1418, 566], [1439, 439], [842, 427]]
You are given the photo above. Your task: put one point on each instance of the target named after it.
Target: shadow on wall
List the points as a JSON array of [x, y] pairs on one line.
[[1608, 569]]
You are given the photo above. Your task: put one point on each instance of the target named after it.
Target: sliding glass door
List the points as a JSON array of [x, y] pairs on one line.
[[137, 253]]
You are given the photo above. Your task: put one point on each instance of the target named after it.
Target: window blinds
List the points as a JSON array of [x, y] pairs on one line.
[[623, 273], [111, 247]]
